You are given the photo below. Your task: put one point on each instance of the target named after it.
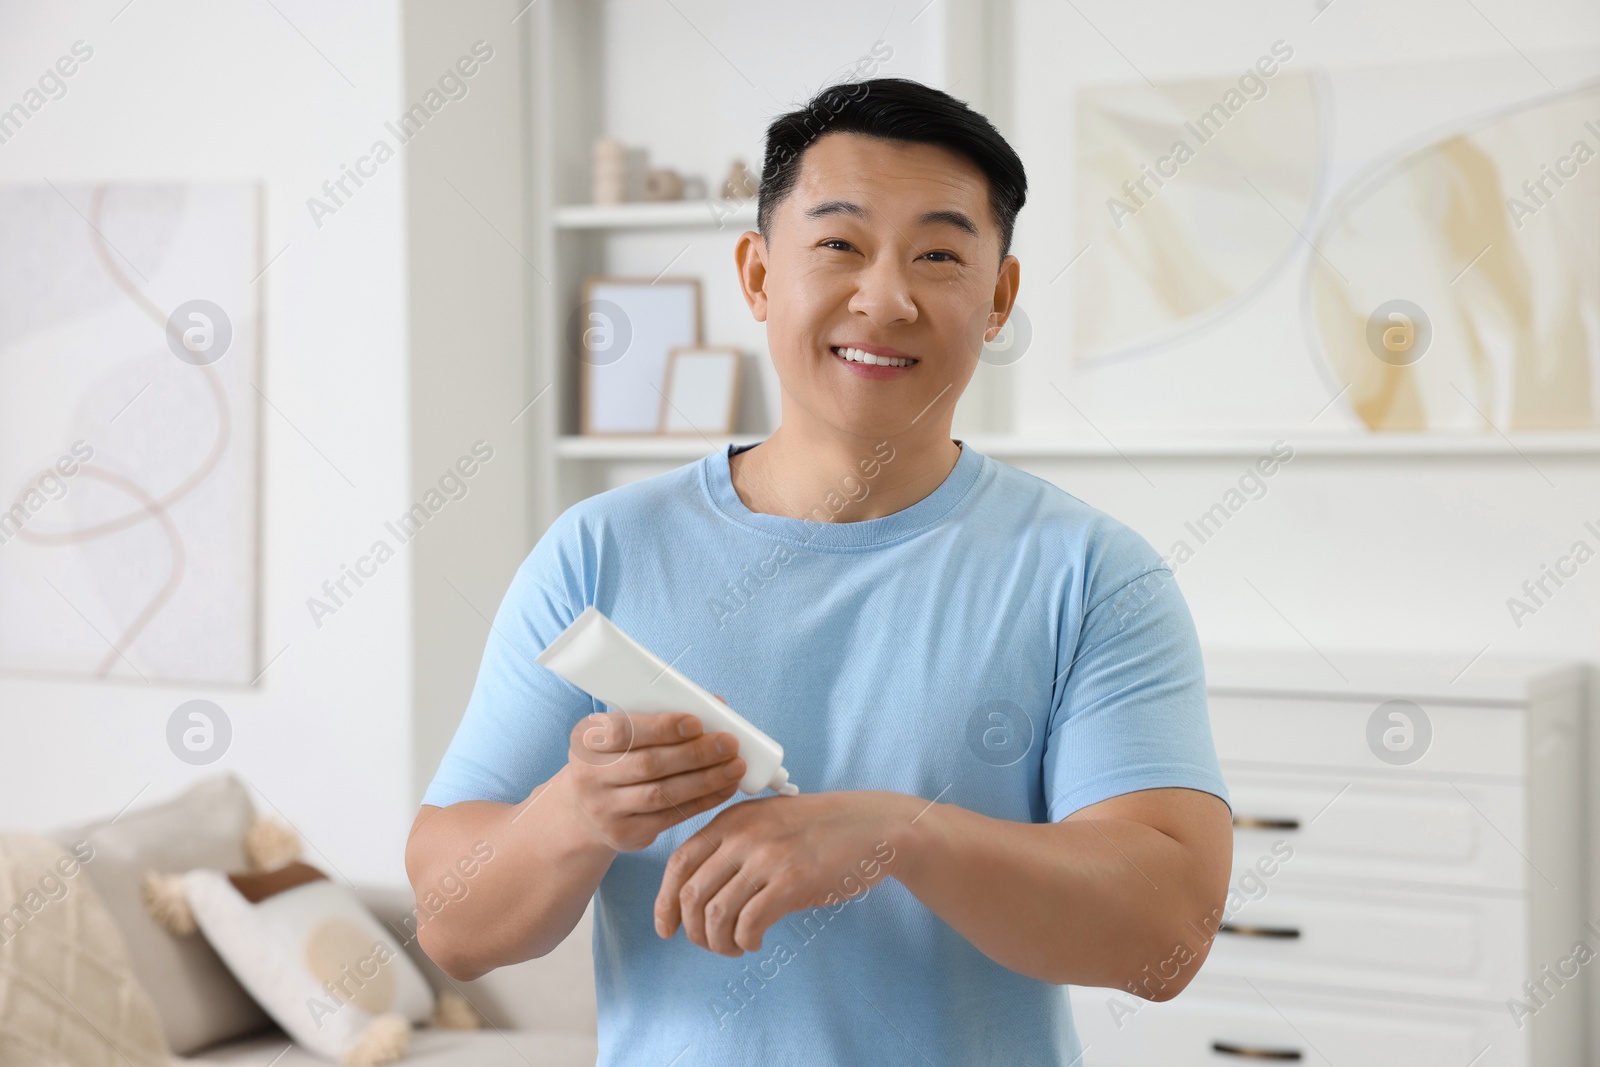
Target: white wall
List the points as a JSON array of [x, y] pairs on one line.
[[468, 273], [183, 90]]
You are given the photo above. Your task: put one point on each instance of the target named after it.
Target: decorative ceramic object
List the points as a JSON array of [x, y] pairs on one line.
[[738, 185], [663, 183], [610, 171]]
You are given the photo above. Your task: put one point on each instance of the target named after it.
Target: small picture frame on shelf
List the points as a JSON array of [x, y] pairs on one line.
[[702, 391], [624, 330]]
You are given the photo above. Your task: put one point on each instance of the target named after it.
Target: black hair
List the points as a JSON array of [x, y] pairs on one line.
[[893, 109]]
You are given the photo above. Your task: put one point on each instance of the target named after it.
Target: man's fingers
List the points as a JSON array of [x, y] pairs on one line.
[[698, 902], [756, 916], [666, 818], [622, 731], [681, 865], [674, 792], [721, 912], [656, 762]]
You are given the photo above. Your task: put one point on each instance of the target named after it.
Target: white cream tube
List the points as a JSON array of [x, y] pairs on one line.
[[597, 656]]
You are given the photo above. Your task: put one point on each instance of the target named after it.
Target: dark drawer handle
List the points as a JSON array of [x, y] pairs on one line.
[[1252, 822], [1222, 1048], [1281, 933]]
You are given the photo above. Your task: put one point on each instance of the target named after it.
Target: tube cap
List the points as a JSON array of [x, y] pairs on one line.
[[781, 785]]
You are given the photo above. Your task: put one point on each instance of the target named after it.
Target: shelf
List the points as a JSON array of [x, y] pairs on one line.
[[644, 447], [1254, 443], [670, 214], [1009, 446]]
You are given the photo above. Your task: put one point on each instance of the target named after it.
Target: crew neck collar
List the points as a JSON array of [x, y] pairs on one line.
[[717, 481]]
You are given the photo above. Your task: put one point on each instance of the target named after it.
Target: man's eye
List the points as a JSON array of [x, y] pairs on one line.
[[844, 246], [948, 257]]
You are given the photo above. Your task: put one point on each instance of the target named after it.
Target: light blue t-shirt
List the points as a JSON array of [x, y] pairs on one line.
[[998, 645]]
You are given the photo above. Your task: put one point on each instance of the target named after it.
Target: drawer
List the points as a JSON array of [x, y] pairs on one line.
[[1291, 731], [1211, 1027], [1420, 833], [1365, 939]]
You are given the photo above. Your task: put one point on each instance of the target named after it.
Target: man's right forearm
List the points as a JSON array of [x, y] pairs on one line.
[[546, 864]]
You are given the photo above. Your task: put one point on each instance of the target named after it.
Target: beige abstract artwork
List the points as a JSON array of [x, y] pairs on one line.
[[1208, 196], [1182, 194], [129, 428], [1514, 340]]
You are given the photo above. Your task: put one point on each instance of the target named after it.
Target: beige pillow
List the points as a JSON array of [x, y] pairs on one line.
[[197, 998], [67, 990], [315, 958]]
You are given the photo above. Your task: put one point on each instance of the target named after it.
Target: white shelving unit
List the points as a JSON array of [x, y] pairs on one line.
[[572, 239], [677, 214]]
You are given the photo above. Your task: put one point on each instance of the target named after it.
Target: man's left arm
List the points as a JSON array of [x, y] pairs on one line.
[[1123, 886], [1126, 893]]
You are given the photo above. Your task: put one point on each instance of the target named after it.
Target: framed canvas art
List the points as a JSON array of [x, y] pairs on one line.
[[702, 390], [625, 328]]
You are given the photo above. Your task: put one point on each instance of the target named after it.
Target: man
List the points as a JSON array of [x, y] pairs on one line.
[[990, 694]]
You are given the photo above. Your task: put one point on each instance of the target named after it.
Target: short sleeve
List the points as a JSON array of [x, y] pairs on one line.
[[1129, 709], [515, 732]]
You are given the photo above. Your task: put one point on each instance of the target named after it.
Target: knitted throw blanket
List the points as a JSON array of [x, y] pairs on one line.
[[67, 993]]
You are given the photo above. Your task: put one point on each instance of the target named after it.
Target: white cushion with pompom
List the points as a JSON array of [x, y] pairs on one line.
[[318, 962]]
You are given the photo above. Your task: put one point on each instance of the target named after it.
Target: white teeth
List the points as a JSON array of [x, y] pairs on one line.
[[855, 355]]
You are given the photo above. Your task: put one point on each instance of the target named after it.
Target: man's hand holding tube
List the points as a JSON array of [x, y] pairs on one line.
[[635, 775]]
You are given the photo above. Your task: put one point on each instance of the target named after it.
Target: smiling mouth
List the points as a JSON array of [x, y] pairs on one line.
[[856, 355]]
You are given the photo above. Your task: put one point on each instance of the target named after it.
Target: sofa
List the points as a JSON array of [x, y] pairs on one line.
[[116, 971]]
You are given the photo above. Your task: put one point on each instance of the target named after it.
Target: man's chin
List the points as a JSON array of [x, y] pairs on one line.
[[861, 419]]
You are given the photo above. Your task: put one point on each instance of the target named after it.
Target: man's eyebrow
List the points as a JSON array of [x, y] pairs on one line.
[[949, 217], [835, 207], [958, 219]]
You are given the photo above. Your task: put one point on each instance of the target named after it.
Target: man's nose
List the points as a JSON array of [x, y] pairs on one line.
[[883, 293]]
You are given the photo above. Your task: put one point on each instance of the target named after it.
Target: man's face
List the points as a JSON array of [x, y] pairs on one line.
[[887, 247]]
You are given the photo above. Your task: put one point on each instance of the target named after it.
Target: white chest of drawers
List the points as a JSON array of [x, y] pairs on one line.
[[1408, 872]]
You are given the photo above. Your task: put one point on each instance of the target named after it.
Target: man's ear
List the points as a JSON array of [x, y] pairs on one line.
[[750, 259], [1006, 285]]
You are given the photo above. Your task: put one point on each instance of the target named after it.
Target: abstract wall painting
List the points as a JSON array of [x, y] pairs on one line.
[[1441, 258], [129, 456]]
